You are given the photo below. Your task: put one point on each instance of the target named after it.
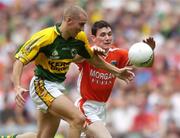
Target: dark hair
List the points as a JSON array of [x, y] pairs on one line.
[[98, 25]]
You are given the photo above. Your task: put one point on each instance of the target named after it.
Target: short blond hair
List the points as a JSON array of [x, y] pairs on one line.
[[74, 12]]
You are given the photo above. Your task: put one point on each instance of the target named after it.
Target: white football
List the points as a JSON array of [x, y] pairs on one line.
[[140, 54]]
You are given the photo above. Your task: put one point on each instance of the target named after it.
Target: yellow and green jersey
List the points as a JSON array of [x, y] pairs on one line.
[[52, 53]]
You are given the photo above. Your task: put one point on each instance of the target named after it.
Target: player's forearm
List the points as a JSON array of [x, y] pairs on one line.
[[78, 59], [17, 72], [101, 63]]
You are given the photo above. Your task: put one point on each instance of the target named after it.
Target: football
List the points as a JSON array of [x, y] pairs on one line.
[[140, 54]]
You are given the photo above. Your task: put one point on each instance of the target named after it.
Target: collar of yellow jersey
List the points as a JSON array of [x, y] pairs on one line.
[[56, 28]]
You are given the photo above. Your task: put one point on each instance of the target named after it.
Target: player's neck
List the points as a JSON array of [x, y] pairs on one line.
[[64, 32]]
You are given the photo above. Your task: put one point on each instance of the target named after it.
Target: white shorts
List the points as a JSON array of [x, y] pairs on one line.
[[43, 92], [93, 110]]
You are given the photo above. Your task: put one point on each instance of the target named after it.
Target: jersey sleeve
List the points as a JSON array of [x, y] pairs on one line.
[[85, 51], [28, 51], [81, 64], [123, 58]]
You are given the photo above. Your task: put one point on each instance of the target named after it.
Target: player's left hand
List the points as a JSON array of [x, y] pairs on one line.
[[19, 99], [126, 74], [99, 51], [150, 41]]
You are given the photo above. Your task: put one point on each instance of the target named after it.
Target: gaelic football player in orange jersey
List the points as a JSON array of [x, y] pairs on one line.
[[96, 84]]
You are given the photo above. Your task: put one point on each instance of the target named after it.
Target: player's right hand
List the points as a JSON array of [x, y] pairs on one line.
[[19, 99], [126, 74], [98, 50]]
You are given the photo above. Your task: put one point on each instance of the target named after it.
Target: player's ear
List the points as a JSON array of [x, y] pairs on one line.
[[93, 38], [69, 20]]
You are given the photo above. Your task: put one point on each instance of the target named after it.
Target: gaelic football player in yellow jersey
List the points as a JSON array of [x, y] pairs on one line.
[[52, 50]]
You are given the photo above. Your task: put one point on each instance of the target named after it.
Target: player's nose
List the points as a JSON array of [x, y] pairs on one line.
[[107, 37]]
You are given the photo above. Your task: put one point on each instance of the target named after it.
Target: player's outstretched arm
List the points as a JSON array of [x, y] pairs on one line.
[[125, 74], [97, 50]]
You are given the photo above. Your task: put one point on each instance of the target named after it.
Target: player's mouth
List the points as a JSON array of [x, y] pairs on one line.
[[107, 43]]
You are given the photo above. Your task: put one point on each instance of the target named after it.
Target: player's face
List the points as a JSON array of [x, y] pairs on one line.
[[103, 38], [77, 25]]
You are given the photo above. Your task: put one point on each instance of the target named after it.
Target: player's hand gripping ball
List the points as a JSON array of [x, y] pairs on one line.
[[140, 54]]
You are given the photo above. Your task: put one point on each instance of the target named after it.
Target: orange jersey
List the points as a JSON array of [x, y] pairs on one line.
[[96, 84]]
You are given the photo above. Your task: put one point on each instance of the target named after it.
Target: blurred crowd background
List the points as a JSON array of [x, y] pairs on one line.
[[148, 107]]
